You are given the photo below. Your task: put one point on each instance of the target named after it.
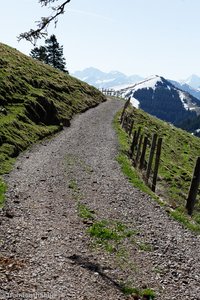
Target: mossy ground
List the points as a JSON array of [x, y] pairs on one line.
[[36, 100]]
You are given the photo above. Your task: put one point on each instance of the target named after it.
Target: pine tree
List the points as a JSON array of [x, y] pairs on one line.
[[40, 53], [55, 53], [51, 54]]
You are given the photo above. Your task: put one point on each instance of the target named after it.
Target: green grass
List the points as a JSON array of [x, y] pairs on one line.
[[109, 230], [144, 247], [73, 185], [110, 234], [36, 100], [129, 290], [75, 190], [126, 165], [2, 193], [132, 174], [178, 156], [147, 294], [191, 223], [84, 212]]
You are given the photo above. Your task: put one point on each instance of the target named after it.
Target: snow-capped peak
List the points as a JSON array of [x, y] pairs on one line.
[[163, 96], [150, 82]]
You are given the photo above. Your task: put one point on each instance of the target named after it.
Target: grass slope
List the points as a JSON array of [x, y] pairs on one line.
[[178, 157], [36, 100]]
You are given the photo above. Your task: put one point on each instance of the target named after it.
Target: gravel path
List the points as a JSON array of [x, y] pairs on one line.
[[46, 252]]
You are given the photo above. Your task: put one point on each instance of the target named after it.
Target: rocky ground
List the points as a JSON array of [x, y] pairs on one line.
[[46, 249]]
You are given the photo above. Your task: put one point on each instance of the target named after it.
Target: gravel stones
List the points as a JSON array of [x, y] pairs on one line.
[[40, 225]]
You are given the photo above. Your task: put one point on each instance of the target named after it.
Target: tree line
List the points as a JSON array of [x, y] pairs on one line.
[[51, 53]]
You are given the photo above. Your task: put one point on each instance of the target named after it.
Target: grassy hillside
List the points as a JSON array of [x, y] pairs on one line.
[[35, 100], [178, 157]]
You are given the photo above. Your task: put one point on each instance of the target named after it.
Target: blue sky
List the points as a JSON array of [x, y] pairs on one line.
[[142, 37]]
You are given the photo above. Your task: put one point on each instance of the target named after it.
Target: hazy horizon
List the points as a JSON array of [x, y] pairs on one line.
[[134, 37]]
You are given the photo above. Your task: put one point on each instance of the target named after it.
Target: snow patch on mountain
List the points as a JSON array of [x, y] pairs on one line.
[[183, 100], [149, 83], [188, 102], [135, 102], [186, 88], [161, 98]]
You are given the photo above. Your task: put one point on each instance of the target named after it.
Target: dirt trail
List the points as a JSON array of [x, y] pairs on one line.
[[46, 251]]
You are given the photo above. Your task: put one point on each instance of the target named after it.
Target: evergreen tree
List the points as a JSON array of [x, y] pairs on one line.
[[40, 53], [51, 54], [55, 53]]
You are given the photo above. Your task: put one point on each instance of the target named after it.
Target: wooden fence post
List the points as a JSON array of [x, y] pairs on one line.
[[193, 188], [151, 155], [124, 109], [126, 123], [123, 120], [138, 150], [157, 160], [131, 127], [135, 141], [144, 148]]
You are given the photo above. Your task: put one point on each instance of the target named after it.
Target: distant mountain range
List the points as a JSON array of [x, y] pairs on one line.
[[116, 80], [101, 79], [177, 102], [193, 81], [187, 88]]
